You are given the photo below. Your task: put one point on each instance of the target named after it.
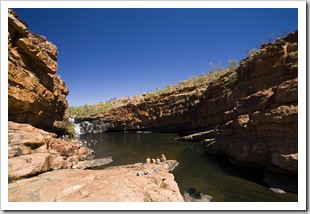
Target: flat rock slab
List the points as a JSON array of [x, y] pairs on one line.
[[114, 184], [88, 164]]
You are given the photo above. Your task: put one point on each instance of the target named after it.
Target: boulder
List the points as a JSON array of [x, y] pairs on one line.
[[58, 163], [29, 165], [22, 138], [33, 151], [85, 151]]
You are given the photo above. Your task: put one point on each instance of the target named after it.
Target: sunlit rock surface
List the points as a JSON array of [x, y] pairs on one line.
[[36, 95], [32, 151], [249, 114], [115, 184]]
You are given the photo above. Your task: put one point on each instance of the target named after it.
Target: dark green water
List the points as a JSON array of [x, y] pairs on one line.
[[208, 174]]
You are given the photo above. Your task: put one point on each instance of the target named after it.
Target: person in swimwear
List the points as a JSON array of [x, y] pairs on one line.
[[163, 158], [148, 160]]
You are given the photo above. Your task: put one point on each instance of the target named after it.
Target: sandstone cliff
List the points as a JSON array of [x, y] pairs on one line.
[[37, 101], [37, 96], [249, 114], [255, 120]]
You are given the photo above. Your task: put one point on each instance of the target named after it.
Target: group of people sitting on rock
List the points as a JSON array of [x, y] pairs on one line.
[[157, 160], [64, 137]]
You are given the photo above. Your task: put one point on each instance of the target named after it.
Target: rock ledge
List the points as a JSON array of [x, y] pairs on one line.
[[114, 184]]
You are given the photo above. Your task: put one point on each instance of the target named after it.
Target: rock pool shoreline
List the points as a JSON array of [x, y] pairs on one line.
[[113, 184]]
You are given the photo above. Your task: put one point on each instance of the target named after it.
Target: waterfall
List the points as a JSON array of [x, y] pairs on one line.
[[85, 127], [77, 128]]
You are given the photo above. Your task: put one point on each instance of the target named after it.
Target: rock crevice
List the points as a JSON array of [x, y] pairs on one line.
[[33, 151], [37, 96]]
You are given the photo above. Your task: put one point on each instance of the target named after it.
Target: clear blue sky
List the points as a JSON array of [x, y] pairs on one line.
[[107, 53]]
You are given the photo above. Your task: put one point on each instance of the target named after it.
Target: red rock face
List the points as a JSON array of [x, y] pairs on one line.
[[32, 151], [37, 96], [250, 114], [261, 111]]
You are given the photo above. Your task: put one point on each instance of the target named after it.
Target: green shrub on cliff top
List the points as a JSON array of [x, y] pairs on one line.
[[88, 110], [198, 81], [231, 79], [233, 64], [201, 79], [252, 52]]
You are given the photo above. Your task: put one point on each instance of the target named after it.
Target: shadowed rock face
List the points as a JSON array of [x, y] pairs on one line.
[[37, 96], [257, 120], [249, 114]]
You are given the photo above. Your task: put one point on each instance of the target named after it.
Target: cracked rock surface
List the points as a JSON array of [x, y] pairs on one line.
[[114, 184]]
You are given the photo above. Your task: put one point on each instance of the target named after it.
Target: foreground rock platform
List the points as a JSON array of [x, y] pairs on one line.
[[114, 184]]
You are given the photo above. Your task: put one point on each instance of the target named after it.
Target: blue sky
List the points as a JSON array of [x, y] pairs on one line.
[[111, 53]]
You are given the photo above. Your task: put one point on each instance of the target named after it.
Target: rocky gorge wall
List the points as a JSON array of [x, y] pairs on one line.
[[249, 114], [45, 167], [255, 122], [36, 95]]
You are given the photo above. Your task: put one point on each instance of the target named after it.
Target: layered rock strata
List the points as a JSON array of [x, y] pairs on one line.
[[117, 184], [255, 120], [36, 95], [249, 114], [32, 151], [37, 158]]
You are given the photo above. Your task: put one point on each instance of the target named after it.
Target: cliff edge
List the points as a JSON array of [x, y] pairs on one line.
[[249, 113], [37, 96]]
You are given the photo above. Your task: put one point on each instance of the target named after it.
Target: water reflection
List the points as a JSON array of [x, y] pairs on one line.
[[209, 174]]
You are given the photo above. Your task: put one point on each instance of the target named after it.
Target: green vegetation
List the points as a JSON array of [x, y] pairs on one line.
[[70, 131], [153, 95], [200, 80], [252, 52], [233, 64], [230, 77], [88, 110], [167, 87], [272, 38]]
